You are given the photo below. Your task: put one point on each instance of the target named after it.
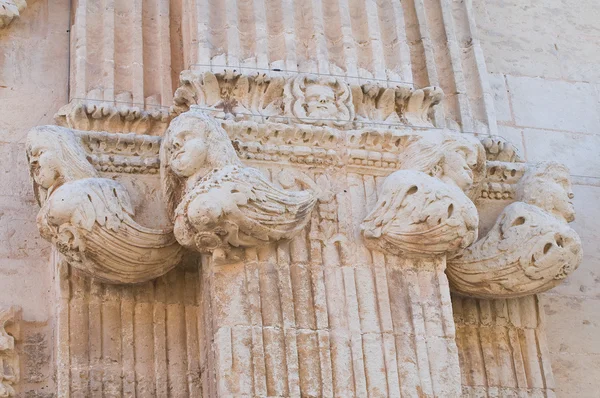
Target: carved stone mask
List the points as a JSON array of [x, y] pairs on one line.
[[320, 102], [188, 147]]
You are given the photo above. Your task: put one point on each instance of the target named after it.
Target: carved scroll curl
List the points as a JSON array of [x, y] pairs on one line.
[[9, 359], [217, 203], [90, 219]]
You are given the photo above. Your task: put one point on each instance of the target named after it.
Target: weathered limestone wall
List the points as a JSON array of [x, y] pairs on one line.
[[544, 69], [33, 85]]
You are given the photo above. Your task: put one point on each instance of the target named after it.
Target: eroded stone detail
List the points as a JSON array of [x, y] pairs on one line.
[[90, 219], [531, 248], [419, 215], [306, 98], [120, 115], [9, 10], [9, 359], [215, 201]]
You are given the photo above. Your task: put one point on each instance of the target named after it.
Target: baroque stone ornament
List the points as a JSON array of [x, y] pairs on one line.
[[420, 215], [9, 359], [215, 201], [527, 251], [530, 249], [90, 219], [9, 10], [319, 100]]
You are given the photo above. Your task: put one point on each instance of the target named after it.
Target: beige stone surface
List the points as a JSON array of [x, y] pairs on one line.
[[309, 311]]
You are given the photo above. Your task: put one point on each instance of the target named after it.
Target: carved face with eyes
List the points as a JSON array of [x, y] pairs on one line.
[[457, 168], [320, 102], [188, 148], [45, 165]]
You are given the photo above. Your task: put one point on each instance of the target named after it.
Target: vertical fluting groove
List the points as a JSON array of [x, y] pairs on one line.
[[272, 319], [217, 22], [79, 332], [368, 309], [479, 59], [94, 42], [454, 51], [405, 71], [334, 260], [179, 36], [418, 319], [63, 343], [318, 24], [79, 51], [108, 50], [357, 195], [206, 328], [515, 344], [543, 345], [289, 34], [528, 312], [487, 343], [191, 333], [248, 26], [361, 36], [175, 334], [128, 339], [95, 327], [259, 384], [429, 55], [418, 60], [152, 36], [404, 328], [378, 58], [161, 375], [165, 62], [233, 34], [305, 316], [134, 52], [262, 41], [332, 28], [350, 52], [112, 380], [143, 353], [276, 35], [202, 52], [306, 41]]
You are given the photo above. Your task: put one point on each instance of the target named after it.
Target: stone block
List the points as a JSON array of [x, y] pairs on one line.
[[501, 103], [557, 105], [579, 152]]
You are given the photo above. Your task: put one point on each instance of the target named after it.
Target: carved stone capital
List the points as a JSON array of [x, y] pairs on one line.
[[9, 10], [89, 219], [216, 202]]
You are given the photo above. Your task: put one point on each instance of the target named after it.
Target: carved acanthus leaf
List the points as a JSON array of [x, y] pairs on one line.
[[305, 99], [88, 218], [121, 115], [216, 202]]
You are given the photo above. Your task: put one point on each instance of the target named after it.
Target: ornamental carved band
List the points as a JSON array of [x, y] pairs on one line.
[[275, 175]]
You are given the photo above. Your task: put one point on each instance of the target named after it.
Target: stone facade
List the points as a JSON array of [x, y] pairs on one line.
[[287, 198]]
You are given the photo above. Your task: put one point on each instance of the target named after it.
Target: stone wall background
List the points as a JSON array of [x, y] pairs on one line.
[[544, 68], [33, 85]]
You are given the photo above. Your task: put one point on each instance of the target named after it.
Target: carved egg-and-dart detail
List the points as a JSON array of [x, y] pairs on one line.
[[90, 219]]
